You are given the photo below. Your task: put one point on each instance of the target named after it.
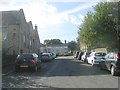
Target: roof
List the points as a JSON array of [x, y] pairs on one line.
[[11, 17], [57, 45]]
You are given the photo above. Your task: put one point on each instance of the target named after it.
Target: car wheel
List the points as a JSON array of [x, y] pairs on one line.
[[86, 61], [113, 73], [92, 63]]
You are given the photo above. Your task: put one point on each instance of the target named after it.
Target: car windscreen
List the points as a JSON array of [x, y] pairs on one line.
[[100, 54], [25, 56]]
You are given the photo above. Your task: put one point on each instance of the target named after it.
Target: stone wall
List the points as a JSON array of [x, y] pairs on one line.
[[8, 60]]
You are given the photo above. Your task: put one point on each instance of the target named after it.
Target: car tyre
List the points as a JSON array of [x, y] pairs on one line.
[[113, 73], [86, 61], [92, 63]]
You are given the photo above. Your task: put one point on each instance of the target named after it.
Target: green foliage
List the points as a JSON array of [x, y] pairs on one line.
[[72, 45], [52, 41], [98, 29], [68, 53]]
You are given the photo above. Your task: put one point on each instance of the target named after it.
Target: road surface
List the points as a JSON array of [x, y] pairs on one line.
[[63, 72]]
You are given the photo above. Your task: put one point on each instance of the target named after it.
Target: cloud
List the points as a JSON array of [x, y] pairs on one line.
[[43, 14], [47, 16], [4, 4], [65, 1], [78, 18]]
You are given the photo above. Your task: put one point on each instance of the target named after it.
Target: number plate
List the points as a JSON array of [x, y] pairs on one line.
[[24, 66]]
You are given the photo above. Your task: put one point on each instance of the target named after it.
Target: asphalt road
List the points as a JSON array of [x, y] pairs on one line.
[[64, 72]]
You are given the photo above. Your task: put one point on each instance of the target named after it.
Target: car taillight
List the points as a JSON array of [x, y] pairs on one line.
[[118, 55], [33, 62]]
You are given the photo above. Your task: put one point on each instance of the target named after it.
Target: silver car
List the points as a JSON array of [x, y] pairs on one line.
[[46, 57]]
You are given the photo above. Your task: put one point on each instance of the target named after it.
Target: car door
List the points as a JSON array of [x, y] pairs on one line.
[[103, 62], [90, 58], [109, 60]]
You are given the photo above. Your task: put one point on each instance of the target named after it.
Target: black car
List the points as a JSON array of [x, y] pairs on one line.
[[80, 55], [27, 60], [111, 62]]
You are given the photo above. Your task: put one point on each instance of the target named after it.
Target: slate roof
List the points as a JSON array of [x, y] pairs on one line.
[[10, 17]]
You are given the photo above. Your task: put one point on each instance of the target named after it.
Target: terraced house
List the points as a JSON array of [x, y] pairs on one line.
[[18, 35]]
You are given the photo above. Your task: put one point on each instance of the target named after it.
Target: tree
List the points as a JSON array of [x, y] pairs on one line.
[[52, 41], [106, 30], [98, 29], [87, 31], [72, 46]]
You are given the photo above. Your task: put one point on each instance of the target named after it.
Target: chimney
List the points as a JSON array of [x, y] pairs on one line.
[[35, 27], [65, 41]]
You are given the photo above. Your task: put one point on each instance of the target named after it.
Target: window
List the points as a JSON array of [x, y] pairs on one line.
[[30, 42], [111, 56], [24, 38], [21, 51], [100, 54], [13, 52], [14, 35], [4, 33], [107, 56]]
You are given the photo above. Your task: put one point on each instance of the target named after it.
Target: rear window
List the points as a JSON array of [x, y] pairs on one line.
[[100, 54], [45, 55], [25, 56]]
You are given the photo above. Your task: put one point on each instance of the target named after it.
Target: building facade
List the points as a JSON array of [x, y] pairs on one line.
[[18, 36], [59, 49]]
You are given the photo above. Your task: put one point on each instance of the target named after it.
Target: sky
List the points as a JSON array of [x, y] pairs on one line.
[[56, 19]]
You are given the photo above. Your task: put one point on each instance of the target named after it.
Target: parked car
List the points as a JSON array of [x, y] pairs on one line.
[[27, 60], [84, 56], [111, 62], [80, 55], [46, 57], [95, 57], [76, 54], [53, 55]]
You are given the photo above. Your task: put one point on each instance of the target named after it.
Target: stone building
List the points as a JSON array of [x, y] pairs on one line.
[[18, 36], [59, 49]]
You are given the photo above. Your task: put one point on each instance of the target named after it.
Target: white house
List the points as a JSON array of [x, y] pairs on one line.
[[59, 49]]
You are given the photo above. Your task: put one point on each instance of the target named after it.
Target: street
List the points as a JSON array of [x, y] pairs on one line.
[[63, 72]]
